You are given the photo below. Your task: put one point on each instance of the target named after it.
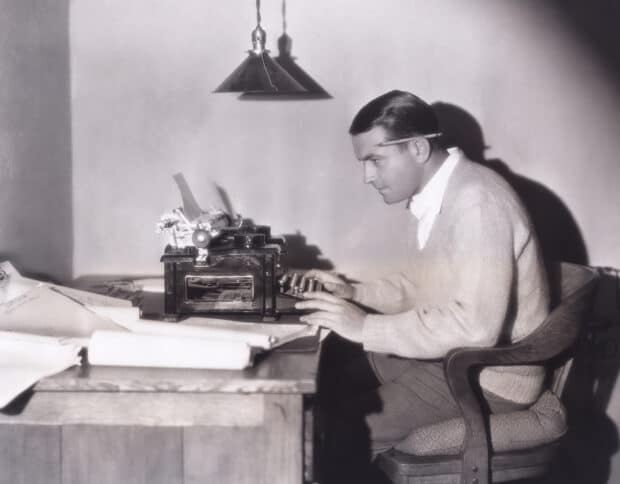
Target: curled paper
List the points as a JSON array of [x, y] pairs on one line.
[[26, 358]]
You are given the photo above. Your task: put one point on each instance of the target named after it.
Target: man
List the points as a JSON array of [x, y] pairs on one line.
[[474, 277]]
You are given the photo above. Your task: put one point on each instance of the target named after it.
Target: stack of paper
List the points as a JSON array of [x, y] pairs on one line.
[[114, 333]]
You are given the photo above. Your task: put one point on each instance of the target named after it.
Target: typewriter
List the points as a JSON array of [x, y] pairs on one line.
[[217, 264]]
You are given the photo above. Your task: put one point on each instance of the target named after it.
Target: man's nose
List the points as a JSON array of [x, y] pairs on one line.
[[370, 172]]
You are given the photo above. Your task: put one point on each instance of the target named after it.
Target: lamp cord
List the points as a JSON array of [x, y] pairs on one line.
[[275, 88], [283, 16], [261, 54]]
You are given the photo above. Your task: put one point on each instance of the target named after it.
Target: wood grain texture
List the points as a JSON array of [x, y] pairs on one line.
[[29, 454], [309, 436], [271, 454], [121, 454], [145, 409], [278, 372], [103, 425]]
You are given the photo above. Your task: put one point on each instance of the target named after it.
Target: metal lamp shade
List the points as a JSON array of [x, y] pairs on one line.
[[310, 85], [259, 73], [286, 60]]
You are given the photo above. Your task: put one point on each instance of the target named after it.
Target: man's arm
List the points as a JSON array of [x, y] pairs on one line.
[[387, 295], [482, 261]]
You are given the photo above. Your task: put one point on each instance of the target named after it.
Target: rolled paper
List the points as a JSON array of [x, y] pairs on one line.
[[257, 340], [132, 349], [129, 318]]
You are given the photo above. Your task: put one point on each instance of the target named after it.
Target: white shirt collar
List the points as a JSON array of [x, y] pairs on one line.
[[429, 200], [426, 205]]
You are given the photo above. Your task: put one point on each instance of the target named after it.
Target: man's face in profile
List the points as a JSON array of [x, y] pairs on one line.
[[392, 170]]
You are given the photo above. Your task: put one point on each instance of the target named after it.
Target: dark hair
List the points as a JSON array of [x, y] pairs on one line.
[[400, 113]]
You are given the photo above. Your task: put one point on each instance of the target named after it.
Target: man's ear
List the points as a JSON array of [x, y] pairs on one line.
[[420, 148]]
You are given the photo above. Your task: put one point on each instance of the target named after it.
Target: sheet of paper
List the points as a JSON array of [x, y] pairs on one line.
[[151, 284], [44, 311], [133, 349], [26, 358], [280, 333], [31, 306], [257, 335], [12, 284], [90, 298]]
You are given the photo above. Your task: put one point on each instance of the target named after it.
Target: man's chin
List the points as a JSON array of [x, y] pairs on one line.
[[389, 198]]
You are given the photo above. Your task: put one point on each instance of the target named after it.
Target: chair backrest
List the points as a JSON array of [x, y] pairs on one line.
[[574, 286], [557, 333], [550, 341], [560, 329]]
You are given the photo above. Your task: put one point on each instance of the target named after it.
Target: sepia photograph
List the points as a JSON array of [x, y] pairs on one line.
[[313, 242]]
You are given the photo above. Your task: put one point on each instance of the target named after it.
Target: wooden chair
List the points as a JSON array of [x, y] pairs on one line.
[[479, 457]]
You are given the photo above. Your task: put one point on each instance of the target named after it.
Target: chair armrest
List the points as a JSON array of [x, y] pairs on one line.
[[458, 366], [554, 336]]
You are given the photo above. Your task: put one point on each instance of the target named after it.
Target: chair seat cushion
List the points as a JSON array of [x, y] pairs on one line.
[[543, 422]]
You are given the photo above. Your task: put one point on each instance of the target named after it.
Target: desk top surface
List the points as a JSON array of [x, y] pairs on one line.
[[275, 372]]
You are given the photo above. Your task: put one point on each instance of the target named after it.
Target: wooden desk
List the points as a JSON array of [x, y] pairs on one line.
[[108, 425]]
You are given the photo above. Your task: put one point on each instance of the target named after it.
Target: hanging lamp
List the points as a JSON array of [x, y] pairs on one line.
[[259, 73], [286, 60], [313, 90]]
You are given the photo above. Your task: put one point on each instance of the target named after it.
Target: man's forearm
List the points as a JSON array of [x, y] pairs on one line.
[[388, 295]]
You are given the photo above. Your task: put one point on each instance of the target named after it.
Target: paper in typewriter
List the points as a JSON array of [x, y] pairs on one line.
[[26, 358]]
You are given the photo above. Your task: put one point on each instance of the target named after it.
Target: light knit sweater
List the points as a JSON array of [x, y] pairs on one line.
[[479, 281]]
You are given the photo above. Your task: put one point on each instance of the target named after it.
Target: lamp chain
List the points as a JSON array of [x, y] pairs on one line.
[[283, 16], [258, 12]]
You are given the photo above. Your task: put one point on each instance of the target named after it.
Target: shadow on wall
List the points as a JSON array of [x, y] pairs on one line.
[[301, 255], [593, 436], [559, 235], [596, 23], [36, 211]]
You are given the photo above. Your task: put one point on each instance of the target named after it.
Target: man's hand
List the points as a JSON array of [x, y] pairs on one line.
[[335, 313], [330, 281]]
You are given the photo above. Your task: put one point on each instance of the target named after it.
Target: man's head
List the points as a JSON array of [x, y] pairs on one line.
[[397, 170]]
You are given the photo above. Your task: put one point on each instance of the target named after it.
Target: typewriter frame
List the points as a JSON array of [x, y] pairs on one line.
[[239, 277]]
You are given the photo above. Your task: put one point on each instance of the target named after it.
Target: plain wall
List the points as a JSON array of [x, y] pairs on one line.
[[143, 73], [36, 224]]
